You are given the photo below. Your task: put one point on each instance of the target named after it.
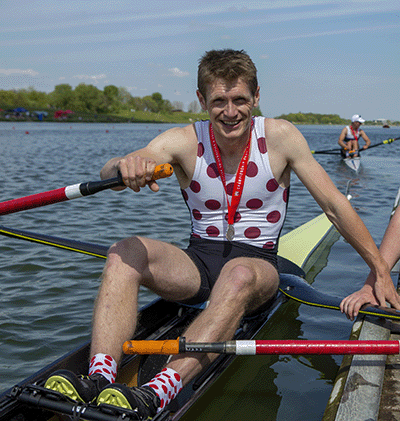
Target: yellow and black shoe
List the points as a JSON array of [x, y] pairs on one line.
[[143, 400], [77, 387]]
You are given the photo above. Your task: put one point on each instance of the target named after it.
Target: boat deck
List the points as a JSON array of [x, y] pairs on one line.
[[367, 387]]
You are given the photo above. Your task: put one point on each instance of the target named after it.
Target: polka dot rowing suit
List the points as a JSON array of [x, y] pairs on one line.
[[262, 209], [261, 212]]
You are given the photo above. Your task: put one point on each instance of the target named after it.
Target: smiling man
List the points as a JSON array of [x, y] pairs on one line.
[[234, 173]]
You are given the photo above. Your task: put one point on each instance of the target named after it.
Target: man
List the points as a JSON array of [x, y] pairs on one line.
[[348, 139], [234, 172]]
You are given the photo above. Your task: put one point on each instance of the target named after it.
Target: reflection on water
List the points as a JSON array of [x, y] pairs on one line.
[[47, 294]]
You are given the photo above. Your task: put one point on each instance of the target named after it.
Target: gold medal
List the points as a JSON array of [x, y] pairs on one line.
[[230, 233]]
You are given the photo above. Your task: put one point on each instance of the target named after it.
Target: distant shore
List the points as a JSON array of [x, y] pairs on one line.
[[179, 117]]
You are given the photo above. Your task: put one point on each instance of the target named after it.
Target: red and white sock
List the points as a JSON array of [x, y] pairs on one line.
[[167, 385], [105, 365]]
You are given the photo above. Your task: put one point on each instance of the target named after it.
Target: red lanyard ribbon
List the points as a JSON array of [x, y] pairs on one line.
[[354, 134], [239, 180]]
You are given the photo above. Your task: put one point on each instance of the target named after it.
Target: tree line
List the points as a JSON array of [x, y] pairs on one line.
[[88, 99], [311, 118]]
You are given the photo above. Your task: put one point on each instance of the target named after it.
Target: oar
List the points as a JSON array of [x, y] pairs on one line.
[[298, 289], [384, 142], [263, 347], [336, 151], [92, 249], [72, 192]]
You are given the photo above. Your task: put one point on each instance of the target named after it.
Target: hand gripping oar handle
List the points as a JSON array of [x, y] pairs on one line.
[[72, 192], [264, 347]]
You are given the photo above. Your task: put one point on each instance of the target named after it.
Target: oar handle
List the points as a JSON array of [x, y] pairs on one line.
[[92, 187], [166, 347]]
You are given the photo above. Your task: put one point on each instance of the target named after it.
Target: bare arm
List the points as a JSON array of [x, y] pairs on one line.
[[175, 146], [390, 246], [340, 212], [366, 139], [342, 136]]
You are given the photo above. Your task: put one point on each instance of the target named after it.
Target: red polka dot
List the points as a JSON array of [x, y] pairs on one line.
[[108, 357], [229, 188], [154, 386], [285, 195], [164, 388], [105, 370], [107, 363], [200, 150], [236, 218], [212, 170], [185, 195], [197, 214], [212, 204], [195, 186], [252, 232], [274, 217], [212, 231], [254, 203], [196, 235], [262, 145], [162, 403], [269, 245], [252, 169], [272, 185]]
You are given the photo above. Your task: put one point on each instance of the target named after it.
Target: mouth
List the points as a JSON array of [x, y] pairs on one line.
[[230, 123]]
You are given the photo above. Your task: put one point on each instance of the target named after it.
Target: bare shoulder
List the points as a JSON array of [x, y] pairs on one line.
[[283, 135], [177, 146], [176, 142]]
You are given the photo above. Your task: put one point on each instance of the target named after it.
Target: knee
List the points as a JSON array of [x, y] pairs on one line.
[[130, 253], [242, 277]]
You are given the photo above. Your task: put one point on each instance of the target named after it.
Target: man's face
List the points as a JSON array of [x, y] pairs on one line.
[[230, 106]]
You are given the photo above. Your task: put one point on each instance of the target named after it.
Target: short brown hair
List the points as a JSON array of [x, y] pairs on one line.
[[226, 64]]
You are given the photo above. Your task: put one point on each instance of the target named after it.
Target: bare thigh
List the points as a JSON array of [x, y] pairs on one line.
[[245, 282], [162, 267]]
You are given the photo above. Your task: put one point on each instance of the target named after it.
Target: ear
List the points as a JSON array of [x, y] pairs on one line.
[[202, 100], [257, 97]]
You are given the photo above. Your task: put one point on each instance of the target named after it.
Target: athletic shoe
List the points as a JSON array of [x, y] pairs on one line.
[[142, 399], [78, 388]]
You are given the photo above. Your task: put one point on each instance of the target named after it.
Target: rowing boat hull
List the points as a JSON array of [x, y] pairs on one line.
[[353, 163], [160, 320]]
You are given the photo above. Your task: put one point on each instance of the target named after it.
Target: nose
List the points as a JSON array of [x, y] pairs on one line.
[[230, 109]]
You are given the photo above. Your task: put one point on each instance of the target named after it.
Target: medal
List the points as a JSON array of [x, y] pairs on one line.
[[230, 233], [239, 180]]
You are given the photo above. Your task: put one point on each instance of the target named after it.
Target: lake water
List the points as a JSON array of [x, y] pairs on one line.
[[47, 294]]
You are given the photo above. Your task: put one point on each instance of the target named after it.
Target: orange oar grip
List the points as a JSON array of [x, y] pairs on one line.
[[166, 347], [162, 171]]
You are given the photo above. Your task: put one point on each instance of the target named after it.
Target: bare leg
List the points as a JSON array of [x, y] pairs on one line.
[[244, 284], [163, 268]]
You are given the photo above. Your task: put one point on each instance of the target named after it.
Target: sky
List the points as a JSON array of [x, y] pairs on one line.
[[319, 56]]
